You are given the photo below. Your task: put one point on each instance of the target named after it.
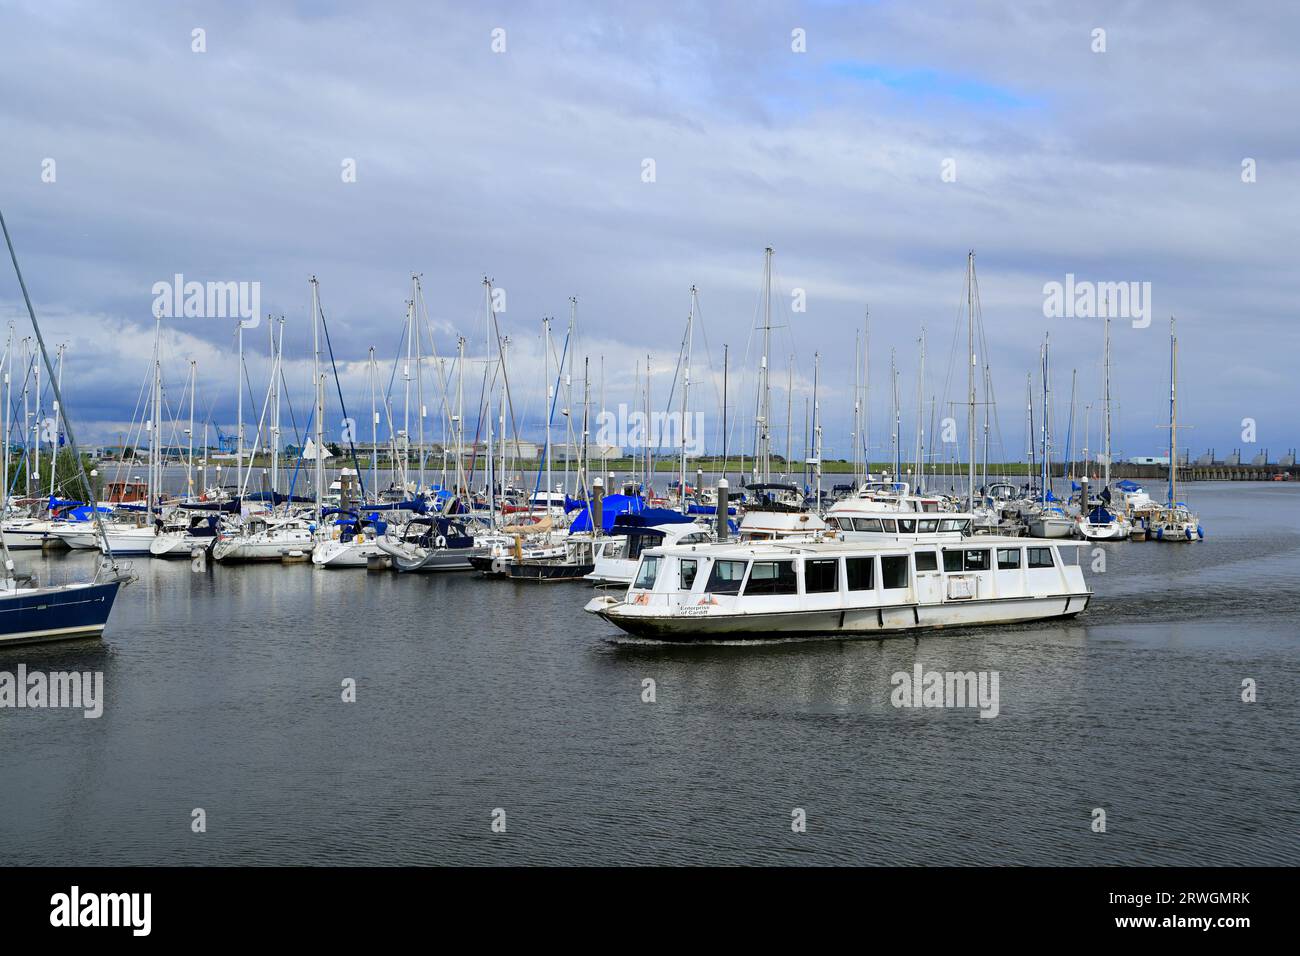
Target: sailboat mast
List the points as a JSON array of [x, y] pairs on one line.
[[417, 335], [817, 429], [1106, 394], [894, 439], [764, 462], [155, 430], [406, 405], [374, 429], [189, 455], [505, 399], [278, 373], [36, 430], [1173, 415], [239, 414], [54, 436], [1046, 468], [857, 405], [686, 389], [319, 382], [971, 361], [920, 418], [550, 397], [461, 483], [866, 395]]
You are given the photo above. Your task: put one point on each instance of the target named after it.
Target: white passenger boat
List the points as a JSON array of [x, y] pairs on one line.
[[725, 591], [858, 519]]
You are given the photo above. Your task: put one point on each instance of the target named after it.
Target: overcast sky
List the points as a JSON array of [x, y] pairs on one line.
[[528, 165]]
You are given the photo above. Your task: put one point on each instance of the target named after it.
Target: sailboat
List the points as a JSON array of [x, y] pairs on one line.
[[29, 611], [1047, 519], [1103, 521], [1175, 521]]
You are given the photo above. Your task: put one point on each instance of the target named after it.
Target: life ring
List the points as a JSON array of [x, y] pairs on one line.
[[440, 542], [499, 565]]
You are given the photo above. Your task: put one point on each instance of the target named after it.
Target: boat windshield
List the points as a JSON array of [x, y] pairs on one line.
[[648, 573]]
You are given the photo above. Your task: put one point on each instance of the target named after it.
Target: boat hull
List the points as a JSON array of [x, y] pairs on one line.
[[233, 549], [409, 559], [1050, 527], [55, 614], [339, 554], [179, 545], [526, 571]]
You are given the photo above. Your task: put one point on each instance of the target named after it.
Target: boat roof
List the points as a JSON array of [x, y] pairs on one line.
[[775, 549]]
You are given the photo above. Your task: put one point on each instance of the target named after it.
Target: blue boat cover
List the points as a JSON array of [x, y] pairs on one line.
[[611, 507]]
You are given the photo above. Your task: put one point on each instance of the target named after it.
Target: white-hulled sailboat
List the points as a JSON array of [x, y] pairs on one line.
[[1175, 521]]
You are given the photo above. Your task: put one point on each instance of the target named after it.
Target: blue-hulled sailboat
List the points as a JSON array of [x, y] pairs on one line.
[[32, 612]]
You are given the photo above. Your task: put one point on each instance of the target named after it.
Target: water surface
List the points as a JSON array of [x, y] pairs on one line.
[[224, 692]]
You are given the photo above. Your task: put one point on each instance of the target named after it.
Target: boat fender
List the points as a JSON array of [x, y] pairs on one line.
[[440, 542], [1200, 532]]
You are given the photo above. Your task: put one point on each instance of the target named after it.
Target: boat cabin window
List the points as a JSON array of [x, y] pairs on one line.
[[772, 577], [821, 576], [832, 523], [867, 524], [929, 506], [927, 561], [888, 525], [928, 525], [952, 524], [725, 577], [648, 573], [907, 526], [860, 573], [975, 560], [695, 537], [689, 569], [893, 571], [952, 561], [1008, 559], [1040, 558]]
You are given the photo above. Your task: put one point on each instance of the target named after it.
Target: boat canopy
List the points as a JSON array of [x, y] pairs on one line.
[[646, 519], [708, 509], [611, 508], [1100, 515], [231, 506]]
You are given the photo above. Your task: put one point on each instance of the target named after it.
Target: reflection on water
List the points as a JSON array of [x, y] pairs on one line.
[[223, 692]]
